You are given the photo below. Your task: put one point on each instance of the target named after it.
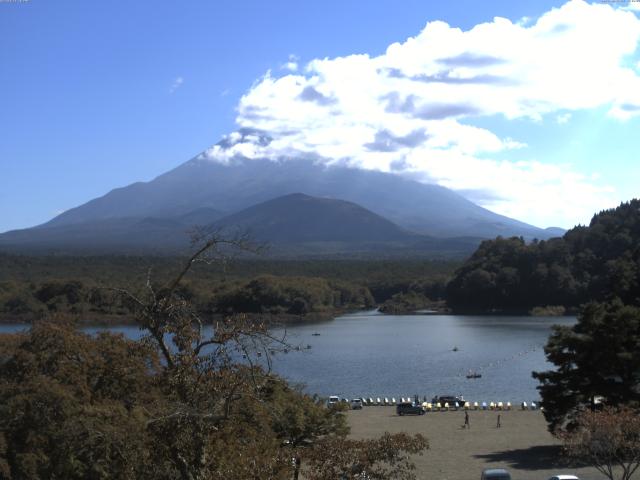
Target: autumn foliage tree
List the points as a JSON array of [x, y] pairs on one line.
[[376, 459], [608, 439], [74, 406]]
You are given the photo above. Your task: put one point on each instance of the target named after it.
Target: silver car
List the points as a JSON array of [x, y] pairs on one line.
[[495, 474]]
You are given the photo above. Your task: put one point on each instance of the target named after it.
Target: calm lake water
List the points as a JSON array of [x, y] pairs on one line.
[[373, 355]]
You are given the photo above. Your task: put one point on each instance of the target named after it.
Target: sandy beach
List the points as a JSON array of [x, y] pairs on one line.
[[522, 445]]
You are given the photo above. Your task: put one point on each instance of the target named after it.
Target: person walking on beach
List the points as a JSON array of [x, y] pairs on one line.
[[466, 420], [498, 423]]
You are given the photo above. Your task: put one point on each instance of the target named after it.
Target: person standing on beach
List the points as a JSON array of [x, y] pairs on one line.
[[466, 420], [498, 423]]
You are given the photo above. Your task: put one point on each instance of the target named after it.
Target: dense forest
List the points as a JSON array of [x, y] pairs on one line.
[[598, 262], [35, 286]]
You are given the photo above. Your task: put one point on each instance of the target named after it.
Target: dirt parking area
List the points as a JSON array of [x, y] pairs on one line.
[[522, 445]]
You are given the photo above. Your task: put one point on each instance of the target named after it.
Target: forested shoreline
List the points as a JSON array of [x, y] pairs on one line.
[[286, 291]]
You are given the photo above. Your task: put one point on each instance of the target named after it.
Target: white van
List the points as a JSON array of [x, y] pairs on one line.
[[333, 400]]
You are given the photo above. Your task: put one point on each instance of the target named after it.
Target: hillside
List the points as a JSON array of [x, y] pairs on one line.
[[595, 262], [148, 235], [298, 218]]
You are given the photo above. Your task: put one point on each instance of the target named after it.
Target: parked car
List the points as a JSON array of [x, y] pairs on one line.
[[408, 408], [356, 404], [495, 474], [564, 477], [333, 400]]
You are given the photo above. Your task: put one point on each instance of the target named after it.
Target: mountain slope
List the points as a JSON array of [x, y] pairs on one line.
[[113, 234], [298, 218], [198, 183], [292, 225], [300, 225]]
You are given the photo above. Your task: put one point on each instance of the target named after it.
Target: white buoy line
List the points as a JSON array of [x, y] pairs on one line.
[[444, 406]]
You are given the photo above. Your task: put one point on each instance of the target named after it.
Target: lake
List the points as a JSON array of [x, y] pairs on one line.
[[368, 354]]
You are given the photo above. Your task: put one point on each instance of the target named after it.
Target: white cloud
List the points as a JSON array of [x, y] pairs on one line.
[[177, 83], [405, 110], [633, 5], [524, 21], [292, 64]]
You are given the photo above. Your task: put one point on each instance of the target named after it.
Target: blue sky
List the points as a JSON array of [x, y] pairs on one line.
[[97, 95]]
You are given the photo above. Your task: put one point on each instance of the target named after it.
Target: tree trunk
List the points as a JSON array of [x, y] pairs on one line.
[[296, 472]]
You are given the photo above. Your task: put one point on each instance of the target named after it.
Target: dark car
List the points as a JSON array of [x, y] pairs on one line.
[[408, 408]]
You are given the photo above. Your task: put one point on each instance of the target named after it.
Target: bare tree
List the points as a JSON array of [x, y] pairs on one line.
[[203, 377]]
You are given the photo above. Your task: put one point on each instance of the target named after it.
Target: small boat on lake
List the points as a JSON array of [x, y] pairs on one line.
[[473, 374], [455, 349], [315, 334]]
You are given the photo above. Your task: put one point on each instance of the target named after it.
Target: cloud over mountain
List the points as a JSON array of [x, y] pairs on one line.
[[410, 110]]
